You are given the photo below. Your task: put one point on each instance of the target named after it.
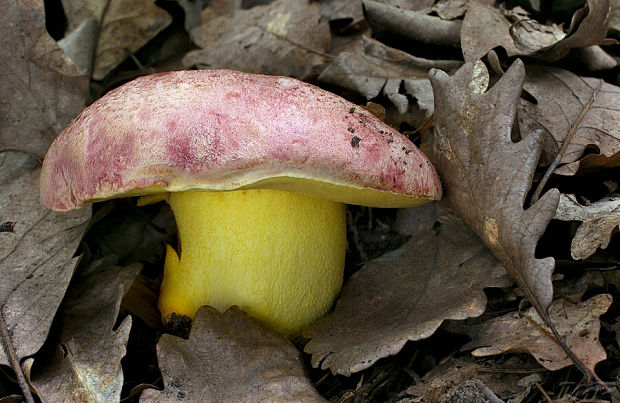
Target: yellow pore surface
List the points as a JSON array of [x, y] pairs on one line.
[[278, 255]]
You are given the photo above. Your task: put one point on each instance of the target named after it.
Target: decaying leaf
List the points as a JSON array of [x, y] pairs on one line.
[[614, 19], [37, 260], [600, 219], [460, 369], [387, 21], [230, 357], [406, 294], [352, 10], [42, 90], [124, 24], [486, 27], [561, 98], [577, 324], [286, 37], [85, 363], [486, 176], [374, 69]]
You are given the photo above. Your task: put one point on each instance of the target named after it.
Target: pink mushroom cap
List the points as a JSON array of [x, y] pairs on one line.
[[219, 130]]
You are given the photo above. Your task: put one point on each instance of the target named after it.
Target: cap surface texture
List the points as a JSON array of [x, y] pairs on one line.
[[224, 130]]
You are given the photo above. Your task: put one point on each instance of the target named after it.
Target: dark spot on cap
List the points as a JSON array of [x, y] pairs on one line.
[[407, 151], [355, 141], [351, 129], [352, 109], [420, 165], [390, 141]]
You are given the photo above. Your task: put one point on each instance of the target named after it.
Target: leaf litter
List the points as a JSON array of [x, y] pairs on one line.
[[58, 89], [406, 294], [84, 362], [230, 357]]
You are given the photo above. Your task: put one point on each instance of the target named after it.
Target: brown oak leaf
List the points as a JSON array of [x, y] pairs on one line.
[[230, 357], [406, 294], [486, 176], [42, 90], [578, 324]]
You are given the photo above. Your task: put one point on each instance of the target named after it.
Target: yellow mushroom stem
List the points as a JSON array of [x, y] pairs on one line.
[[278, 255]]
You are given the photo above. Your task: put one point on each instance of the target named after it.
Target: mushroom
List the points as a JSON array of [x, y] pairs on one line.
[[257, 170]]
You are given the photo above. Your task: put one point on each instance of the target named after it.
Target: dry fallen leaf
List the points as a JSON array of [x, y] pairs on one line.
[[374, 68], [42, 90], [458, 370], [486, 175], [388, 22], [124, 24], [406, 294], [286, 37], [84, 364], [36, 262], [614, 19], [600, 219], [577, 324], [561, 98], [486, 27], [230, 357]]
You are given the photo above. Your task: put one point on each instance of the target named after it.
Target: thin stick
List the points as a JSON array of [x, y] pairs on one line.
[[543, 392], [567, 140], [10, 353]]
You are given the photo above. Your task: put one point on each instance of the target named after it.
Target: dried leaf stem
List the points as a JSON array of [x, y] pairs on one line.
[[567, 140], [10, 353]]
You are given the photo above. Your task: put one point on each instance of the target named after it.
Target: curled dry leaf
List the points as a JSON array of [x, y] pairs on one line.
[[386, 21], [85, 362], [561, 98], [486, 175], [600, 219], [286, 37], [124, 24], [406, 294], [335, 10], [42, 89], [486, 27], [577, 324], [230, 357], [36, 262]]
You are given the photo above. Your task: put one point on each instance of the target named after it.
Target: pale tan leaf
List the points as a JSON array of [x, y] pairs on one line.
[[577, 324], [230, 357], [286, 37], [124, 24], [36, 262], [406, 294], [84, 364], [42, 90], [600, 219]]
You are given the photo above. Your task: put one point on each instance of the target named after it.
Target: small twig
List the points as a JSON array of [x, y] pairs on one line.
[[10, 353], [133, 57], [8, 226], [567, 140], [565, 384], [547, 398]]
